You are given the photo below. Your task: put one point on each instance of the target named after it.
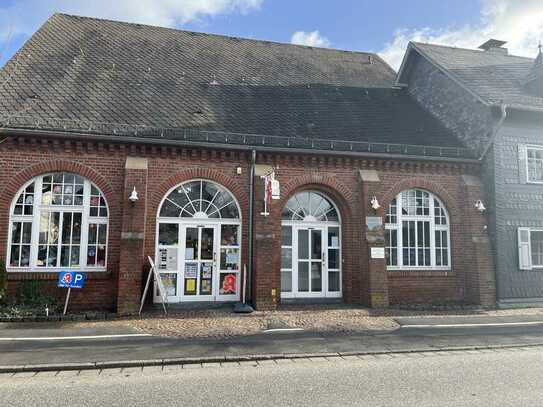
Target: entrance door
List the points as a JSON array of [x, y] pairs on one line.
[[310, 262], [198, 251], [199, 262]]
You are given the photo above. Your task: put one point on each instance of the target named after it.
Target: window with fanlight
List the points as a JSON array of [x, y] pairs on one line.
[[417, 232], [58, 221]]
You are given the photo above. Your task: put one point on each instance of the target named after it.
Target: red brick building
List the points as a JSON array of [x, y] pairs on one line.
[[372, 200]]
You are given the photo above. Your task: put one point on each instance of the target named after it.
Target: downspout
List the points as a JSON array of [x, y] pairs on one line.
[[251, 227], [503, 116]]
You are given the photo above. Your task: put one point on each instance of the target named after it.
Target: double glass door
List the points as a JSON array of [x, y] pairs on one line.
[[199, 262], [310, 261]]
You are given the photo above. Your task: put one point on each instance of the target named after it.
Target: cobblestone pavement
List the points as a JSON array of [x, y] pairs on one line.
[[222, 323]]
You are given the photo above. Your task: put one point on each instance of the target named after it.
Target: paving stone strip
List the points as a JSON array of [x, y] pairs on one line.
[[135, 366], [265, 363]]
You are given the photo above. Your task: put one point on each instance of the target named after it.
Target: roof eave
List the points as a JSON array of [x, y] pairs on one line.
[[234, 147]]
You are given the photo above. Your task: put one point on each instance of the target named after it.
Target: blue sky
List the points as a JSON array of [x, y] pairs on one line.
[[366, 25]]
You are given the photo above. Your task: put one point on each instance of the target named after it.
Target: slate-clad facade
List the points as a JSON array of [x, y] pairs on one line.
[[491, 101], [98, 113]]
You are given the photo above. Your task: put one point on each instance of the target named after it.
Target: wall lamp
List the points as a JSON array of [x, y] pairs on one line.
[[133, 196], [480, 206], [375, 203]]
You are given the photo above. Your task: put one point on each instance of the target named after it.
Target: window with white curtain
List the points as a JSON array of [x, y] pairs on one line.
[[58, 221], [417, 232]]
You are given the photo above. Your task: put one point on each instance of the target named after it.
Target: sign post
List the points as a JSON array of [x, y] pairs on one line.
[[69, 280], [160, 285]]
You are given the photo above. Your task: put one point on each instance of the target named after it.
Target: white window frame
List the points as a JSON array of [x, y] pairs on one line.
[[38, 207], [398, 226], [311, 223], [527, 245], [527, 150]]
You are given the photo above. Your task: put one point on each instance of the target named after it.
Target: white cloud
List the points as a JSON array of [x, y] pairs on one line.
[[26, 16], [312, 39], [520, 23]]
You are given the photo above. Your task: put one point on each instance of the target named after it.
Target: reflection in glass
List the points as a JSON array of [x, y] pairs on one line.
[[168, 234], [303, 276]]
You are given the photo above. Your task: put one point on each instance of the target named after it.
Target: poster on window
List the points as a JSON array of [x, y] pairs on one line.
[[172, 259], [206, 270], [190, 286], [227, 284], [163, 259], [205, 287], [232, 257], [191, 270], [170, 284]]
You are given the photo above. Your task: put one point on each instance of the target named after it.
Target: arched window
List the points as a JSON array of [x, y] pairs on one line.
[[58, 221], [200, 199], [310, 206], [417, 232]]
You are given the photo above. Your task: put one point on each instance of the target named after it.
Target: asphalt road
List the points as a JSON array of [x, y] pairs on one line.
[[506, 377], [25, 352]]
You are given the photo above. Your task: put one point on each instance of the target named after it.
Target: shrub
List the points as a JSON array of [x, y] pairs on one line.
[[3, 281], [31, 294]]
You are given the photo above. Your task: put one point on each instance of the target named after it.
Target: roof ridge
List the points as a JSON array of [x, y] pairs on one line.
[[481, 52], [232, 37]]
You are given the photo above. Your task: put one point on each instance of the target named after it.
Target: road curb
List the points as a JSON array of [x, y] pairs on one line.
[[239, 358]]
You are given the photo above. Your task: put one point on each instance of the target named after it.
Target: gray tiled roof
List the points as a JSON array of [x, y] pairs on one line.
[[493, 76], [100, 71]]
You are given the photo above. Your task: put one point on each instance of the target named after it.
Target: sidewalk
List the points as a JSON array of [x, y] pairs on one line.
[[414, 335]]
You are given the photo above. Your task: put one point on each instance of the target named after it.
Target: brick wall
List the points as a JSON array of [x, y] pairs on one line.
[[336, 177]]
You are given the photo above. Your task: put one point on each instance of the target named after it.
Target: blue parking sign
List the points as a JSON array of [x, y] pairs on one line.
[[71, 279]]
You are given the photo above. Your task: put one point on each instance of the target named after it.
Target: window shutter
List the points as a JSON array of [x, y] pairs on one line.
[[524, 249], [522, 167]]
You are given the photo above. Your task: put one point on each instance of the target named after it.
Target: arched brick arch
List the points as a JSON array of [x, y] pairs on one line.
[[422, 183], [338, 192], [236, 188], [18, 180]]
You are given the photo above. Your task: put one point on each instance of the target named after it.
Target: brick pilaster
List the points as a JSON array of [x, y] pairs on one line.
[[132, 260], [480, 279], [375, 289], [266, 249]]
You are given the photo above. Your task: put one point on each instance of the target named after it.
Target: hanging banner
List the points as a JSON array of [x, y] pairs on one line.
[[271, 191]]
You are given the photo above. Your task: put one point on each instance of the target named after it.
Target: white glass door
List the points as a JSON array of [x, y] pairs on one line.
[[199, 262], [310, 262], [198, 272]]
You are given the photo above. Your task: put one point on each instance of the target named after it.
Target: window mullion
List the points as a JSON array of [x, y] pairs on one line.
[[36, 214], [416, 228], [60, 236], [85, 225], [433, 247], [399, 235]]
